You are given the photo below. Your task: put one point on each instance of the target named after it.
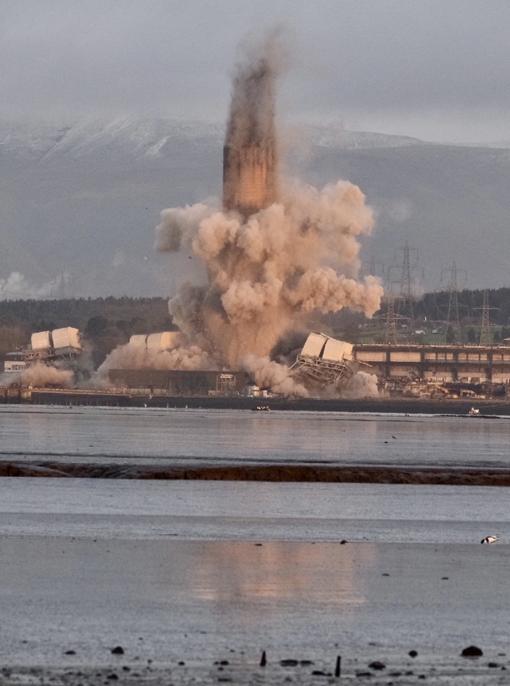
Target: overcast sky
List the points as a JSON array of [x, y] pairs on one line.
[[435, 69]]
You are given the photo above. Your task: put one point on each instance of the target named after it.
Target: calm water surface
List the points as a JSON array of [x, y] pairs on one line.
[[118, 434], [221, 510], [195, 569]]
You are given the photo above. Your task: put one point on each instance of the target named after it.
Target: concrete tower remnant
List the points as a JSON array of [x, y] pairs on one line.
[[250, 157]]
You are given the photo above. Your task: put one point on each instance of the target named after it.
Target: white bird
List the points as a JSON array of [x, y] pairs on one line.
[[489, 539]]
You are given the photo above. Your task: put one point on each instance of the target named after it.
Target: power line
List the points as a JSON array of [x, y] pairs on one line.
[[485, 324], [391, 320], [485, 328], [453, 317], [376, 267], [405, 279]]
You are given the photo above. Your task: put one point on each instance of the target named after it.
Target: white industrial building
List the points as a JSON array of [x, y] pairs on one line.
[[164, 340], [46, 346]]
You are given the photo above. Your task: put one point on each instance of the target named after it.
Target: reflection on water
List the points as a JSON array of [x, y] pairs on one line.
[[247, 573], [197, 600], [91, 434]]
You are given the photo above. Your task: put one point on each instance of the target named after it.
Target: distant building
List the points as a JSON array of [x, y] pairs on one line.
[[181, 382], [46, 346], [442, 363], [15, 362]]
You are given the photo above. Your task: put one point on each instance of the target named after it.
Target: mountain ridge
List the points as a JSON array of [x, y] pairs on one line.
[[81, 199]]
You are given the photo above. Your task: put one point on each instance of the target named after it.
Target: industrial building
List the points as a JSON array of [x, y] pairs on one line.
[[172, 381], [181, 382], [437, 363], [155, 342], [59, 345]]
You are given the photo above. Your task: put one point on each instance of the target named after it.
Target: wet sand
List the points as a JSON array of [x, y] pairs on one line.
[[204, 603], [195, 579], [453, 476]]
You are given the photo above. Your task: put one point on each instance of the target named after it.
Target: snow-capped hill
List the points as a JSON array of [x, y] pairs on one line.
[[154, 138], [123, 136], [83, 197], [341, 138]]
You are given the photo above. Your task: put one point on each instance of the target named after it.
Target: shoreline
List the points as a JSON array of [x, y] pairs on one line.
[[374, 474], [456, 407]]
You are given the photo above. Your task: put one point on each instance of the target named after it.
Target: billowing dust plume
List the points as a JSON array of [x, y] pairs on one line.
[[278, 251], [188, 357], [40, 375], [268, 273]]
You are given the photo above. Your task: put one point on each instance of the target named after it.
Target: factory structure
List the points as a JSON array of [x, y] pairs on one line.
[[327, 362], [60, 346], [184, 382], [323, 362], [470, 364]]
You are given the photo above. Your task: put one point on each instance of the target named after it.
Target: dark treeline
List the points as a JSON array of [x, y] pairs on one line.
[[434, 306]]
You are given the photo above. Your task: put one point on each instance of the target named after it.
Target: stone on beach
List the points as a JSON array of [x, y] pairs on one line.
[[472, 651], [377, 665]]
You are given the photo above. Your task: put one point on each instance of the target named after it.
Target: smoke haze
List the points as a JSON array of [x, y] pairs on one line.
[[41, 375], [266, 274]]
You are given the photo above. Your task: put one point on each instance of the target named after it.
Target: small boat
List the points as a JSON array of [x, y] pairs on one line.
[[474, 412], [262, 408], [489, 539]]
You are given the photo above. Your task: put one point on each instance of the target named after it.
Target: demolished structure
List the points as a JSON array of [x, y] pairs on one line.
[[325, 361], [250, 154], [46, 347]]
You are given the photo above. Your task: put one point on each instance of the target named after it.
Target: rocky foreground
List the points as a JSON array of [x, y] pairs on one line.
[[489, 668]]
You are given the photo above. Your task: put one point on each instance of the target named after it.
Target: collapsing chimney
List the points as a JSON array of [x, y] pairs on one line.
[[277, 256], [250, 151]]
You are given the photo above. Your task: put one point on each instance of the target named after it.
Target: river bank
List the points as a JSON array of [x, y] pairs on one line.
[[76, 397], [452, 476]]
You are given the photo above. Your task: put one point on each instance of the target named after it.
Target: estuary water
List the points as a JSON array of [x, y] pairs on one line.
[[252, 511], [90, 434], [183, 574]]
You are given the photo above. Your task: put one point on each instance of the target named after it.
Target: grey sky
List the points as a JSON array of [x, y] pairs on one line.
[[436, 69]]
